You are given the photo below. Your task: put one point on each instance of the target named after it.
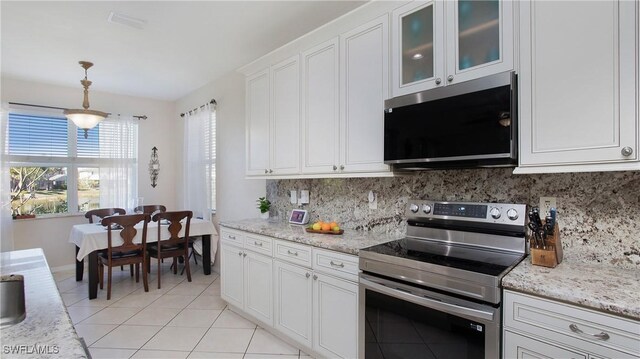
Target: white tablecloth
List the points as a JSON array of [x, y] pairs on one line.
[[90, 237]]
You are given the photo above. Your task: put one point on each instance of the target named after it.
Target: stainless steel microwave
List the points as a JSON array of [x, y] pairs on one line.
[[465, 125]]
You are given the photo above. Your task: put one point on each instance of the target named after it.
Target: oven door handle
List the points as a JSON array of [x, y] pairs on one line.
[[405, 294]]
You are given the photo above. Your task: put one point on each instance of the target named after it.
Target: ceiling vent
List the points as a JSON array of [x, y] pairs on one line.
[[122, 19]]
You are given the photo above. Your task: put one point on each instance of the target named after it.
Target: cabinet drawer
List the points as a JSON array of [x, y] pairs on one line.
[[260, 244], [582, 328], [232, 236], [293, 252], [334, 263]]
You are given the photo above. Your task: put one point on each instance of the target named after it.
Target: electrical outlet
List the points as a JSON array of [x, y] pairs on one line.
[[546, 203]]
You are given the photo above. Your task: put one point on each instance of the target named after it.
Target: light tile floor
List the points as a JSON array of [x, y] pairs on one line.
[[181, 320]]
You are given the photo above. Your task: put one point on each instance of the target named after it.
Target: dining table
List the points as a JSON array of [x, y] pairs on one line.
[[90, 238]]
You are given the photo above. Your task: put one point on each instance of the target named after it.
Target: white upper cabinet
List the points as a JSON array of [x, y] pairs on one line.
[[418, 47], [273, 120], [442, 42], [365, 85], [326, 109], [578, 86], [258, 123], [479, 38], [285, 118], [320, 106]]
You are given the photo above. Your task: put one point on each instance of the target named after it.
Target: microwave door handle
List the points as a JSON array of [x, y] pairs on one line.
[[404, 294]]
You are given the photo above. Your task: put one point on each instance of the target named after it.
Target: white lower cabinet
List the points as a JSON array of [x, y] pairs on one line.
[[335, 316], [293, 301], [246, 278], [522, 347], [231, 275], [258, 286], [541, 328], [308, 294]]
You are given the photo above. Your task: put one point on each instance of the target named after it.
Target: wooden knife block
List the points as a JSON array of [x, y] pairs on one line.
[[552, 255]]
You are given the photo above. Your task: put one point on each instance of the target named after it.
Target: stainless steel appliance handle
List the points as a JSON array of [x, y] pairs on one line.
[[405, 294]]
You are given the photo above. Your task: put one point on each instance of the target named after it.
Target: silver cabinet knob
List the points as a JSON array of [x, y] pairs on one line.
[[438, 81], [232, 237], [335, 167], [259, 244], [244, 254], [341, 167], [627, 151], [266, 171], [450, 78], [315, 277], [239, 253], [270, 171], [308, 275]]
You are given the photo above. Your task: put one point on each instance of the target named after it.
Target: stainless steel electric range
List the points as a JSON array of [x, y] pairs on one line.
[[436, 293]]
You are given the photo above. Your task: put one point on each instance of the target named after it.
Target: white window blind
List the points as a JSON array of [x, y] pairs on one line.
[[38, 136]]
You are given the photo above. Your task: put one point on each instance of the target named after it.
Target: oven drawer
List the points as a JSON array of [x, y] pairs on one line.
[[573, 326], [293, 252], [337, 264], [232, 236], [258, 243]]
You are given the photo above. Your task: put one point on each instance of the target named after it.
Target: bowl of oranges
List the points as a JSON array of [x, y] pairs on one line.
[[325, 228]]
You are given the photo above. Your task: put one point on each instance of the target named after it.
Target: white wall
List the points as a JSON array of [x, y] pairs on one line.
[[158, 130], [236, 196]]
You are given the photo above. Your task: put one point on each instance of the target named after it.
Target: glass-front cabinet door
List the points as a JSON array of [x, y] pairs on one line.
[[480, 38], [418, 47]]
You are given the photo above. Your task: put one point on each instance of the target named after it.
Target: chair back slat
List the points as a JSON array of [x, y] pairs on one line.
[[128, 231], [175, 226], [103, 212]]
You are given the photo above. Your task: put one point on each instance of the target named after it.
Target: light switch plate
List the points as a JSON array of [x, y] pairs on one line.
[[304, 196], [294, 197]]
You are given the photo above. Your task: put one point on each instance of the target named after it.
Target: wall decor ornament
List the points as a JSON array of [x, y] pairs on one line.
[[154, 167]]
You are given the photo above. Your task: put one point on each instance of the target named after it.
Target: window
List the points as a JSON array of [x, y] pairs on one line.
[[53, 168]]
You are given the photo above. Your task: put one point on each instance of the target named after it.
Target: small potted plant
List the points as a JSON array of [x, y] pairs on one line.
[[263, 206]]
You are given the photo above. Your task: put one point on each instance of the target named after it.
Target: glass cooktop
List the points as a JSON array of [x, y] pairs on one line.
[[485, 261]]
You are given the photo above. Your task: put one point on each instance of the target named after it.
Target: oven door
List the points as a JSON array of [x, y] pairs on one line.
[[403, 321]]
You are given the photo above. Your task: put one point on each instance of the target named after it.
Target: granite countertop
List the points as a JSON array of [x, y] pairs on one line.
[[47, 331], [350, 242], [609, 289]]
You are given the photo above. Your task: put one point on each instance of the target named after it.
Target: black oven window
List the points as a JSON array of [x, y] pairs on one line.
[[396, 329]]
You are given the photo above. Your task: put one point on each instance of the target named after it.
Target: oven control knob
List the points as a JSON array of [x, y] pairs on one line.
[[414, 208], [512, 214], [495, 213], [426, 208]]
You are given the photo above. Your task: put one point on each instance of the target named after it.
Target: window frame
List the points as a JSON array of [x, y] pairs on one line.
[[71, 162]]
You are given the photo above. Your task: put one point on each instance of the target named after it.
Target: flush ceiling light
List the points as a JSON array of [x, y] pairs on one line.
[[84, 118], [416, 56]]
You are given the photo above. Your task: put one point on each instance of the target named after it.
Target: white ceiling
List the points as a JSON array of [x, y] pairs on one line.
[[185, 44]]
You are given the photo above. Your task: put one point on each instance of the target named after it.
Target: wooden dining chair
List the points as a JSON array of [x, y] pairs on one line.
[[150, 209], [104, 212], [126, 253], [175, 246]]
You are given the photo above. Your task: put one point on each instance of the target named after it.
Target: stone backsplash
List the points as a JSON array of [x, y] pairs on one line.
[[598, 213]]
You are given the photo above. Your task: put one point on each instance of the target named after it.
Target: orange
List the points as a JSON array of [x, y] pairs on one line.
[[333, 224], [326, 227]]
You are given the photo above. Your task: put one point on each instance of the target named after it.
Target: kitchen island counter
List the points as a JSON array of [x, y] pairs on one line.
[[350, 242], [605, 288], [47, 331]]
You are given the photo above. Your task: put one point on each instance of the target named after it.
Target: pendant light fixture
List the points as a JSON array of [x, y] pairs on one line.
[[84, 118]]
